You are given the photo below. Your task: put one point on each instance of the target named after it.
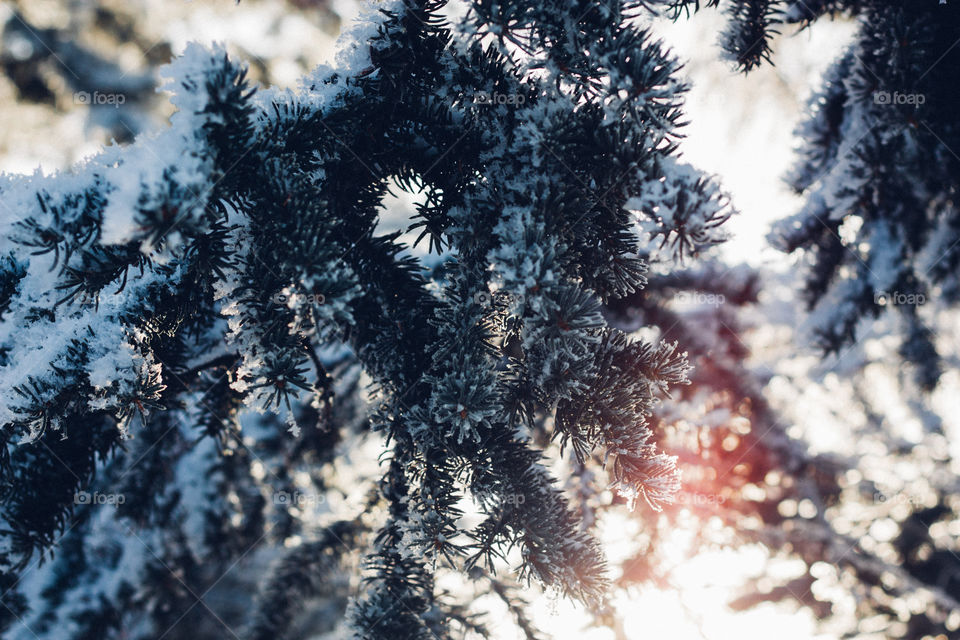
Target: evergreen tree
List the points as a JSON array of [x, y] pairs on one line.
[[160, 292], [878, 230], [878, 166]]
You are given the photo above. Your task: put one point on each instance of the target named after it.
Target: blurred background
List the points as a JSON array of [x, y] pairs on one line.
[[823, 504]]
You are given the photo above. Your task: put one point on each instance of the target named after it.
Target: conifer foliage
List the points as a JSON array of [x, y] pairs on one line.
[[878, 166], [158, 293]]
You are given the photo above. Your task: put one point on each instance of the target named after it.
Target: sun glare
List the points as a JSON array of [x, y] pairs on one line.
[[692, 605]]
